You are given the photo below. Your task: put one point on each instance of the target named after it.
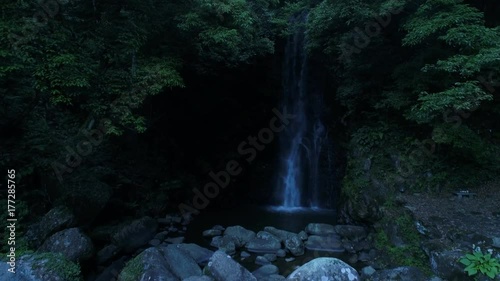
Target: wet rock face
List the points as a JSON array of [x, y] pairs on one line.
[[324, 269], [72, 243], [41, 267]]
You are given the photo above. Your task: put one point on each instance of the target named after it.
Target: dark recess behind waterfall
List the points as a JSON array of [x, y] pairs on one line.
[[208, 121]]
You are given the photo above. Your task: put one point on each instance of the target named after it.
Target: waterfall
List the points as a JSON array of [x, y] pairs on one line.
[[302, 141]]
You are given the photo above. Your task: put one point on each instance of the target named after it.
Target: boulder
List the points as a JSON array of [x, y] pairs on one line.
[[261, 260], [292, 241], [136, 234], [112, 271], [324, 269], [320, 229], [351, 232], [55, 220], [200, 255], [72, 243], [226, 243], [241, 235], [180, 263], [330, 244], [223, 268], [148, 265], [259, 245], [265, 271]]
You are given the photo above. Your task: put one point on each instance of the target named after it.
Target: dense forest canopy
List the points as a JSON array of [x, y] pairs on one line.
[[412, 82]]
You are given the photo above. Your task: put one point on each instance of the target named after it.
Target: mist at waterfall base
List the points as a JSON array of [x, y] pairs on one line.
[[306, 164]]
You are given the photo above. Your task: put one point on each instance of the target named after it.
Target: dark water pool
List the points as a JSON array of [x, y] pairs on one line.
[[256, 218]]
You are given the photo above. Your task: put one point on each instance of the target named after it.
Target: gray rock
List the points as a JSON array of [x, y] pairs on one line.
[[40, 267], [367, 271], [281, 253], [265, 271], [107, 253], [290, 259], [270, 257], [180, 263], [404, 273], [200, 255], [292, 241], [211, 233], [226, 243], [72, 243], [351, 232], [245, 254], [260, 245], [55, 220], [261, 260], [303, 235], [496, 242], [218, 227], [136, 234], [325, 269], [241, 234], [320, 229], [223, 268], [329, 244]]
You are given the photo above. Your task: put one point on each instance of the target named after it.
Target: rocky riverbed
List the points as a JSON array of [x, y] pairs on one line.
[[155, 249]]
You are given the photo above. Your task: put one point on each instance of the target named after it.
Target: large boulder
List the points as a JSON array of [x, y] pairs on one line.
[[136, 234], [41, 267], [321, 229], [330, 244], [180, 263], [223, 268], [55, 220], [148, 265], [324, 269], [72, 243], [199, 254], [241, 234], [226, 243], [261, 245]]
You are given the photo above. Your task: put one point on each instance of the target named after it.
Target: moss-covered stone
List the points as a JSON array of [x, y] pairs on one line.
[[55, 263], [132, 270]]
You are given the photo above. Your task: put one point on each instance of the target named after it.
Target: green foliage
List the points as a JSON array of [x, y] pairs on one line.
[[479, 263]]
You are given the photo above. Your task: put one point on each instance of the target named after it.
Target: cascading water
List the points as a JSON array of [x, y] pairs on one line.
[[303, 139]]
